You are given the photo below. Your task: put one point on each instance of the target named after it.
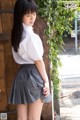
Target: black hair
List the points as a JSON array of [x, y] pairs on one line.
[[20, 9]]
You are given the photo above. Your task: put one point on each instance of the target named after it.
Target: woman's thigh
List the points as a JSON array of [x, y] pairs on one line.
[[22, 112], [34, 110]]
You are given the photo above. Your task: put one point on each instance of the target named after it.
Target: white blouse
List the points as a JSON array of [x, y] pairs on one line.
[[30, 48]]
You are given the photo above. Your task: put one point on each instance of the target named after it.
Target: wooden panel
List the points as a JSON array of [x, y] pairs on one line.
[[6, 4], [1, 47], [1, 69], [0, 25], [2, 86], [1, 57], [7, 48], [1, 62], [10, 66], [3, 101], [10, 72], [12, 116], [6, 18], [3, 98]]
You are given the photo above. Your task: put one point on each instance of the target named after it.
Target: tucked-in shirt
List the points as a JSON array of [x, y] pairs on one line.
[[30, 48]]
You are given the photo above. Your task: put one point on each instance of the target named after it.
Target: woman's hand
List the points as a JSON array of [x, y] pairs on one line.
[[42, 70], [46, 90]]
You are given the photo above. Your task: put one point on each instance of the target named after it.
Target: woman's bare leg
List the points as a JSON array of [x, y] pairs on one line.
[[35, 109], [22, 112]]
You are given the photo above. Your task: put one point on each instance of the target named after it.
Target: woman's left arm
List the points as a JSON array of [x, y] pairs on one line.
[[42, 70]]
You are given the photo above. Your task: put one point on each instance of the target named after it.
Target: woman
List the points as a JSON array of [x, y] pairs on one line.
[[30, 88]]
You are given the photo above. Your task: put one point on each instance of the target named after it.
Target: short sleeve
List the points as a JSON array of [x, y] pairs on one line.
[[35, 48], [31, 48]]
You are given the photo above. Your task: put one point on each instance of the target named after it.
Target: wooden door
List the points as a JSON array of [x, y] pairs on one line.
[[7, 64]]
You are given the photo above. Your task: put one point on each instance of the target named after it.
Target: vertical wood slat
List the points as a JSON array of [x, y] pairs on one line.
[[1, 67], [0, 19], [0, 4], [0, 25], [6, 23], [3, 99], [1, 61]]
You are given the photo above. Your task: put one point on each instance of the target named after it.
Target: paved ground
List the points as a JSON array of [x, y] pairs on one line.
[[70, 93]]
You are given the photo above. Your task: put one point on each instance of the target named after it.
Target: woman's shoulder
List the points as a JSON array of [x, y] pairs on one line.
[[36, 37], [25, 35], [30, 37]]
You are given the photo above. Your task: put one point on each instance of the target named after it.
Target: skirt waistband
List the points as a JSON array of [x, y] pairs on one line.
[[27, 64]]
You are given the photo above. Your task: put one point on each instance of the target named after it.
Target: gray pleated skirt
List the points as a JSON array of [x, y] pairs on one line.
[[27, 87]]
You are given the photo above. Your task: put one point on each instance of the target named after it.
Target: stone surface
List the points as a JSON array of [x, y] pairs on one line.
[[70, 92]]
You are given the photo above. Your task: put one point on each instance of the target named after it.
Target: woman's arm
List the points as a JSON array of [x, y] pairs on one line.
[[41, 68]]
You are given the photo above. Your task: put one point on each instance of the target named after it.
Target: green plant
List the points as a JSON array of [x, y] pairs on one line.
[[58, 20]]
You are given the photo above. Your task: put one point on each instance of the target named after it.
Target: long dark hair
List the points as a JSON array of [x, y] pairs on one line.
[[20, 9]]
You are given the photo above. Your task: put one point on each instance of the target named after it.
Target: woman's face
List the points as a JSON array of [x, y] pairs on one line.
[[29, 18]]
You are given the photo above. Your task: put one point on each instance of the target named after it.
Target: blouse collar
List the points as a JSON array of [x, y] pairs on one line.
[[27, 28]]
